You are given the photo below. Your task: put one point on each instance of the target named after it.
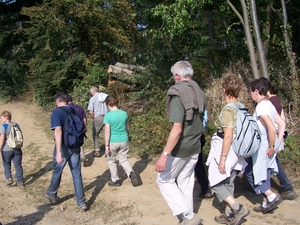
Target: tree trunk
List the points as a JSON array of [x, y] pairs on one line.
[[258, 41], [249, 42], [293, 68], [266, 31], [211, 41]]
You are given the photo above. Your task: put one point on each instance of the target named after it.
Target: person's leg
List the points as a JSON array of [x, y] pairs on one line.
[[225, 189], [286, 185], [6, 160], [56, 176], [75, 167], [17, 159], [282, 177], [166, 181], [234, 212], [111, 160], [185, 179], [123, 157], [201, 174], [97, 127], [123, 160]]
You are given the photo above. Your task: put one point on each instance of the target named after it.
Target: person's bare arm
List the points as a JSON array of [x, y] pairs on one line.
[[58, 143], [92, 114], [171, 142], [271, 133], [281, 126], [2, 141], [107, 139], [227, 140]]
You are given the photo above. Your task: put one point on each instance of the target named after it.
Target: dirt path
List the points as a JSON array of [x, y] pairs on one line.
[[124, 205]]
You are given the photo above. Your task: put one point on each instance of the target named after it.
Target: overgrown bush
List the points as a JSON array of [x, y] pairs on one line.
[[149, 130], [96, 76]]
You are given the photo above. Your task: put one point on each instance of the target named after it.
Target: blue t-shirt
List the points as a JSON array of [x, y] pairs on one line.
[[58, 117], [117, 119]]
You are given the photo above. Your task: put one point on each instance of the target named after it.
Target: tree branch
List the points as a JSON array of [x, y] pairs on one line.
[[236, 12]]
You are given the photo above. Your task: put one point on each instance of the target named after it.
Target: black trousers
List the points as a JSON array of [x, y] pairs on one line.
[[200, 170]]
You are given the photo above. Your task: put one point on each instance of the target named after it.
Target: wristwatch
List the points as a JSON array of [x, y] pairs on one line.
[[166, 154]]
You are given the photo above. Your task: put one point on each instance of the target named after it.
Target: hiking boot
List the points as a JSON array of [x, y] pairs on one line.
[[118, 183], [45, 195], [83, 207], [97, 154], [195, 221], [223, 219], [239, 214], [134, 179], [272, 205], [9, 182], [259, 208], [208, 194], [288, 195]]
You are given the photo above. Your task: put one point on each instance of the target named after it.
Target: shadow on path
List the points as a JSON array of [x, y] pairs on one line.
[[32, 218]]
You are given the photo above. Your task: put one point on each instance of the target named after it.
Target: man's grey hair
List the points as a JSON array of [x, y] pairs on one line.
[[182, 68], [93, 89]]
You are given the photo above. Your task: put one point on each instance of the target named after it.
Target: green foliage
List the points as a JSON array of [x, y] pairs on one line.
[[290, 155], [66, 38], [149, 130], [95, 76], [12, 68]]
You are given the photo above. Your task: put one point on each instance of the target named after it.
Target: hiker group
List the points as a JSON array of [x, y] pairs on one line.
[[69, 124], [242, 145]]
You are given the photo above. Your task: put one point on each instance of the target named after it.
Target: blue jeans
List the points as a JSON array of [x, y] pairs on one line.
[[72, 156], [16, 157], [282, 177]]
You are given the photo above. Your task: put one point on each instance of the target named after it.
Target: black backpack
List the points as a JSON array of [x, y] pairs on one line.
[[73, 135]]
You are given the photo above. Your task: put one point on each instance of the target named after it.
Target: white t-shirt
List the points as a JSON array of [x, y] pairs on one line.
[[265, 107]]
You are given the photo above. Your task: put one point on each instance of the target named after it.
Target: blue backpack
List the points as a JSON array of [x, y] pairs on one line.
[[73, 135], [248, 136]]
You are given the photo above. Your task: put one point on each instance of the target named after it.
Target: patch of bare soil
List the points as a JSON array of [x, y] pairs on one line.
[[107, 205]]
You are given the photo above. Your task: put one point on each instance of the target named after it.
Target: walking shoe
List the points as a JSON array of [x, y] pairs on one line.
[[84, 162], [195, 221], [208, 194], [84, 207], [45, 195], [118, 183], [288, 195], [97, 154], [239, 214], [272, 205], [134, 179], [20, 184], [9, 182], [223, 219], [259, 208]]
